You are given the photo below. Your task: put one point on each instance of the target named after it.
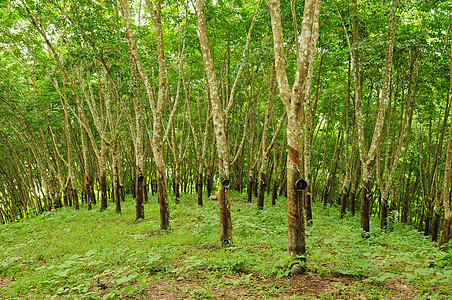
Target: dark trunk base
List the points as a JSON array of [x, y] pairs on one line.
[[163, 201], [308, 207], [384, 215], [446, 231], [344, 203], [274, 192], [145, 192], [75, 198], [250, 190], [103, 191], [261, 194], [435, 227], [427, 225], [209, 186], [139, 208], [352, 202], [176, 192], [199, 189], [325, 196], [133, 185], [225, 215], [365, 206]]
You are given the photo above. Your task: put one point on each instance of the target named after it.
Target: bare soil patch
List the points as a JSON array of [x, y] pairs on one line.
[[308, 284]]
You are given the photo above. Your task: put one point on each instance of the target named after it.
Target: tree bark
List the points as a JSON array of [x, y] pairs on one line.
[[293, 101], [447, 176], [368, 156], [219, 128]]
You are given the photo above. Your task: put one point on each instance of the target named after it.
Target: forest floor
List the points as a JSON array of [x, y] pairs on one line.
[[68, 254]]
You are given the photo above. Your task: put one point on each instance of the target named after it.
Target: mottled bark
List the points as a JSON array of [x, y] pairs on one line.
[[201, 156], [344, 198], [447, 176], [262, 186], [137, 133], [352, 202], [264, 150], [293, 101], [199, 189], [368, 156], [115, 184], [388, 183], [89, 190], [219, 128], [250, 188], [407, 198], [274, 192], [163, 201], [365, 205], [308, 205], [139, 207], [158, 103], [435, 226], [103, 177]]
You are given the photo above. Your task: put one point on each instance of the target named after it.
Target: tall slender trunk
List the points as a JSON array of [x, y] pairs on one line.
[[249, 189], [365, 205], [199, 187], [139, 207], [262, 186], [447, 176], [368, 156], [293, 101], [344, 198], [115, 180], [103, 176], [157, 104], [386, 186], [219, 128]]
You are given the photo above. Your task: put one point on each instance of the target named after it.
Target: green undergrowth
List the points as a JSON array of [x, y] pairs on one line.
[[68, 254]]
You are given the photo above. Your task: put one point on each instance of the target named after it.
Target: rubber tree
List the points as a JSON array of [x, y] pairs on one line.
[[293, 101], [219, 128], [447, 175], [156, 102], [367, 156]]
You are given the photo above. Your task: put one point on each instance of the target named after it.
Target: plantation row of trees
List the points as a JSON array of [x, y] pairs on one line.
[[348, 100]]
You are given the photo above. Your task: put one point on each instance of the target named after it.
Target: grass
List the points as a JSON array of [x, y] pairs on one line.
[[68, 254]]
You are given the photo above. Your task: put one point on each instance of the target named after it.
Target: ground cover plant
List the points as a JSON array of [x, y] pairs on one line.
[[69, 254]]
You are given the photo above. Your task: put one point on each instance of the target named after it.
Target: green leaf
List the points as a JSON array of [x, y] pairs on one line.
[[385, 276], [123, 279], [90, 253]]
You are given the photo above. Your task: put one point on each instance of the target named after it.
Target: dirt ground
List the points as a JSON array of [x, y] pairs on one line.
[[310, 285]]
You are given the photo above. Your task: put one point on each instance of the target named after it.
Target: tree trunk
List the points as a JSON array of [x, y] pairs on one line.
[[344, 201], [274, 192], [365, 207], [293, 101], [163, 200], [262, 185], [308, 205], [199, 189], [177, 183], [219, 128], [368, 156], [139, 207], [103, 177], [384, 213], [447, 177], [249, 189], [352, 202], [115, 185]]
